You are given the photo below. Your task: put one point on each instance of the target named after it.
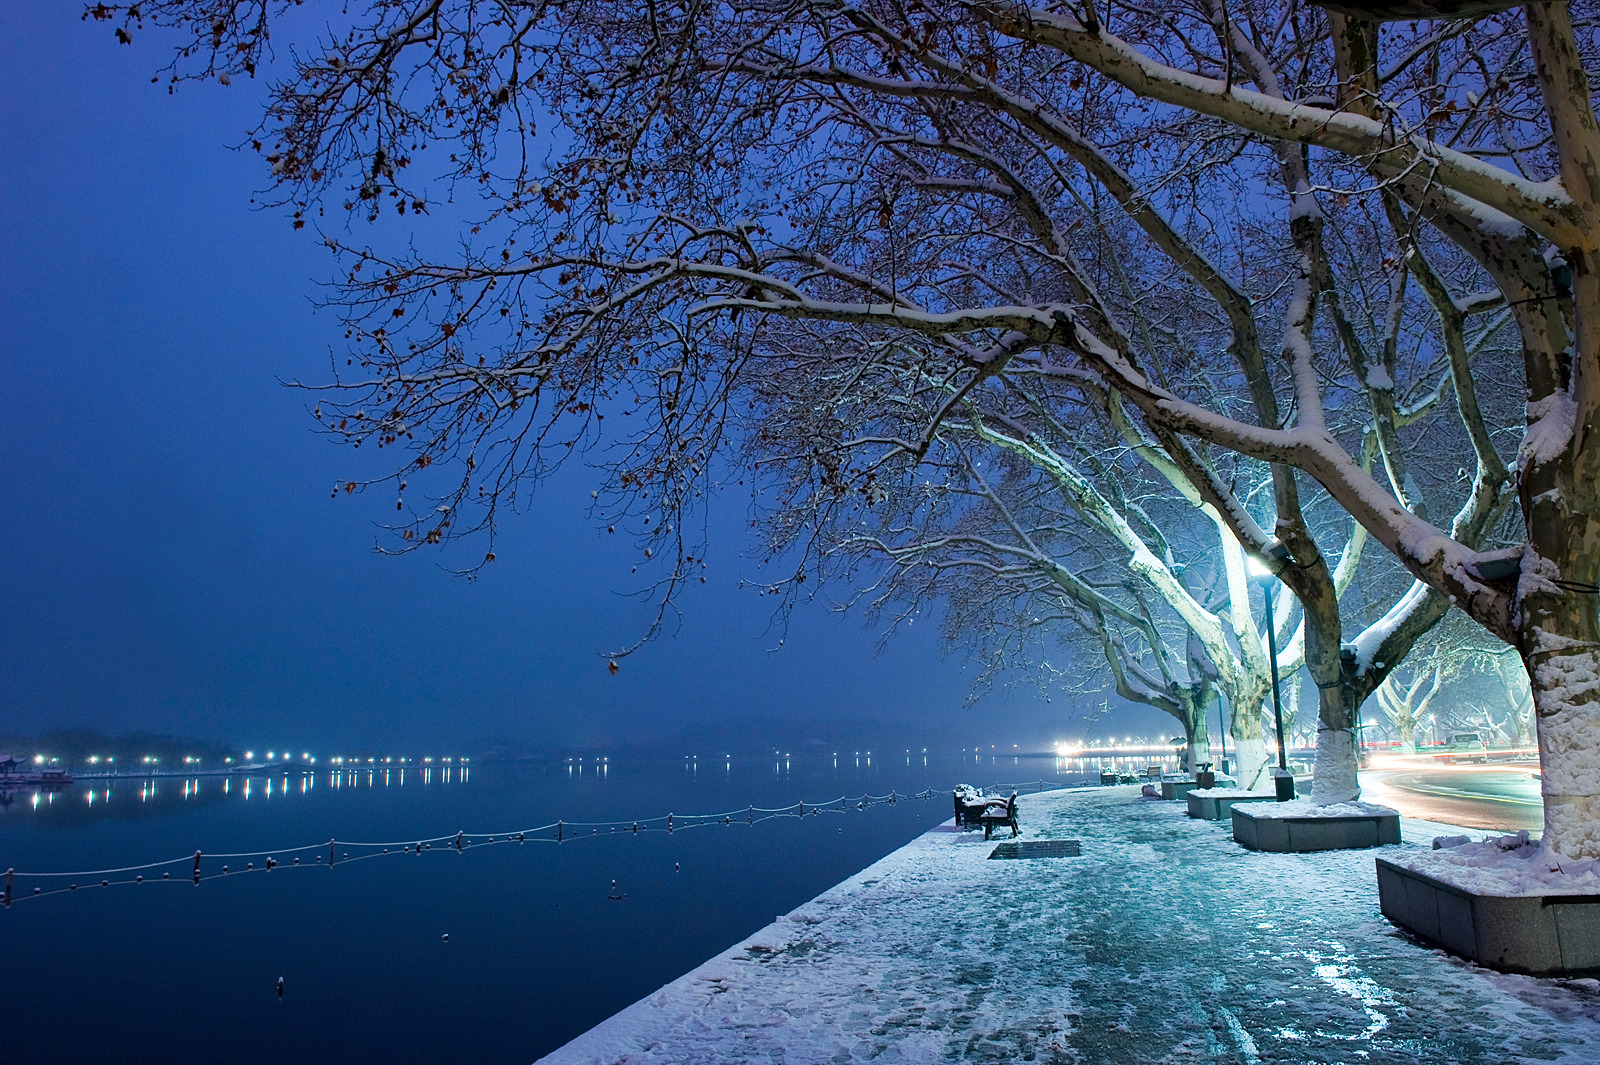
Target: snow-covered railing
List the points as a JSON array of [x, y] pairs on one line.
[[1024, 786], [201, 866]]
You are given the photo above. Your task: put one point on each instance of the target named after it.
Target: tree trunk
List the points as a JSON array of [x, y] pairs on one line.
[[1340, 694], [1522, 721], [1334, 779], [1561, 651], [1250, 761], [1197, 739]]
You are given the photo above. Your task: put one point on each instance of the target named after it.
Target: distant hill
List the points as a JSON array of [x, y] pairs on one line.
[[74, 747]]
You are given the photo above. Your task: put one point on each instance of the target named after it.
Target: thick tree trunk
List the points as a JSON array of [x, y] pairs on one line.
[[1407, 727], [1561, 650], [1334, 779], [1558, 629], [1197, 740], [1250, 762], [1339, 699], [1522, 721]]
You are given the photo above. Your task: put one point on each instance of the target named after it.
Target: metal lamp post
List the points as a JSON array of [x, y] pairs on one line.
[[1283, 780]]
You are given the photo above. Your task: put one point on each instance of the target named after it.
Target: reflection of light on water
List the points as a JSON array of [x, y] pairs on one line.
[[456, 771]]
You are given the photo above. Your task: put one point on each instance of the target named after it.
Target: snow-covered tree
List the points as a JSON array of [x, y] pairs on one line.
[[1405, 702], [1032, 560], [1486, 134], [725, 168]]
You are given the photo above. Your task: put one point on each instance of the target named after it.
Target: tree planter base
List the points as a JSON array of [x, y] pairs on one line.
[[1298, 834], [1215, 807], [1543, 935], [1177, 789]]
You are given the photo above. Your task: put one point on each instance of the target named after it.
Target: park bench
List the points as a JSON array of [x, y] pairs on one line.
[[1000, 813], [976, 810], [970, 804]]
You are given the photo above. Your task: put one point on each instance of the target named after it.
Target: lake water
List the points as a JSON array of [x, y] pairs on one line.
[[537, 949]]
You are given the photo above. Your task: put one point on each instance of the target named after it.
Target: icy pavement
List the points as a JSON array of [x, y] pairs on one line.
[[1164, 942]]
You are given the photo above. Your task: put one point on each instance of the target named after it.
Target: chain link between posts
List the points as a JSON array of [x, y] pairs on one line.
[[202, 866]]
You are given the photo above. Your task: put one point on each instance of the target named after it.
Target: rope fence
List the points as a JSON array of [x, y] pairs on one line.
[[193, 868]]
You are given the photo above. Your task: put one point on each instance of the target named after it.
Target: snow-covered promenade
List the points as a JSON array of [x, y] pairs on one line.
[[1164, 942]]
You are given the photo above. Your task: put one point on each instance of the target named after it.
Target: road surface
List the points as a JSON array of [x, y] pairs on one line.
[[1497, 797]]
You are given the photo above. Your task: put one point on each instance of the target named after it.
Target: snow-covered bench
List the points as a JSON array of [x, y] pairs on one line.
[[970, 804], [999, 813], [975, 810]]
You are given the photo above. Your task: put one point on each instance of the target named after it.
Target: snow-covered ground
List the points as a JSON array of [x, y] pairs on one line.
[[1163, 943], [1506, 865]]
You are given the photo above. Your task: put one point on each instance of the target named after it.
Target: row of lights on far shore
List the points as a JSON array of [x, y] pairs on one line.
[[286, 756], [272, 756]]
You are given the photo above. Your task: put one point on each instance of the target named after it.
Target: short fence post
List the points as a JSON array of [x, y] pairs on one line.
[[9, 874]]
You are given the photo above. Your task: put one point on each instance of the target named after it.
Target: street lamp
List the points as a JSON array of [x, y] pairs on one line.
[[1282, 780]]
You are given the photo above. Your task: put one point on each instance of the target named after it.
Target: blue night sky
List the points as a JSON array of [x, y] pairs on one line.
[[173, 559]]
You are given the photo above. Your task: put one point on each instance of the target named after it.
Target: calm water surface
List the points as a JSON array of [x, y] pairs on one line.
[[536, 953]]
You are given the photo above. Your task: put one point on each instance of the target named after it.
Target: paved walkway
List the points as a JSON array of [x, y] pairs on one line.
[[1164, 942]]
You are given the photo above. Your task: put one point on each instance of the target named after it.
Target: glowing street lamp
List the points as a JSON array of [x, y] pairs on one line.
[[1282, 780]]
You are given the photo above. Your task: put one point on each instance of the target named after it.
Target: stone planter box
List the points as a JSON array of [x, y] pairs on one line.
[[1545, 935], [1216, 808], [1177, 789], [1347, 832]]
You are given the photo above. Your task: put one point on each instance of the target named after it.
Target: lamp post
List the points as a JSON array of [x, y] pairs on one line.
[[1282, 780]]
